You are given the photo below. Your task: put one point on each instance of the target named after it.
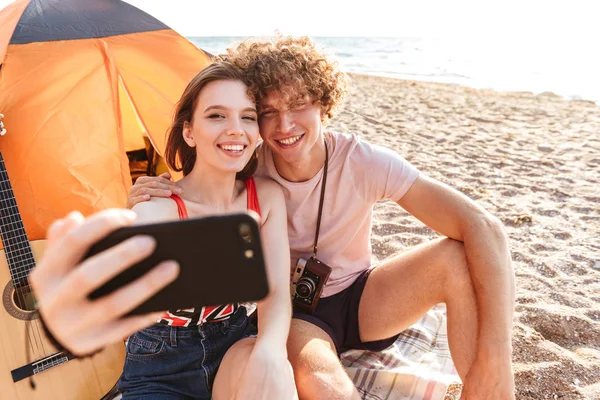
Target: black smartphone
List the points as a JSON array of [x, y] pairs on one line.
[[220, 257]]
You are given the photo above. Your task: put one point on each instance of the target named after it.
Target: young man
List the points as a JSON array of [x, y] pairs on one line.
[[362, 306]]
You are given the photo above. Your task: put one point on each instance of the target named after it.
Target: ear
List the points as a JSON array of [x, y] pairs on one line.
[[322, 115], [187, 134]]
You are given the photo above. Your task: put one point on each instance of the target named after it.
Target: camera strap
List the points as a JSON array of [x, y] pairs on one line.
[[323, 183]]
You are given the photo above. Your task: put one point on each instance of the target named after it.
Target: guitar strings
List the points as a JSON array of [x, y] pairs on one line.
[[19, 295], [30, 335], [28, 355], [6, 187]]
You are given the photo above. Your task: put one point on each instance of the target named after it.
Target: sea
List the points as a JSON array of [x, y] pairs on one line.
[[568, 68]]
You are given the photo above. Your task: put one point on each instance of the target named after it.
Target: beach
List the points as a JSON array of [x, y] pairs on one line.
[[532, 160]]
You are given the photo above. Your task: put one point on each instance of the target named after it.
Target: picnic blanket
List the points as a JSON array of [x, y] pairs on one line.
[[417, 367]]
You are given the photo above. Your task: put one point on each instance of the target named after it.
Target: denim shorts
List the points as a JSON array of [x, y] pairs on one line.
[[167, 362]]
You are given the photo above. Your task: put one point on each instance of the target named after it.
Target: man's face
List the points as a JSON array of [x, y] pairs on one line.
[[290, 124]]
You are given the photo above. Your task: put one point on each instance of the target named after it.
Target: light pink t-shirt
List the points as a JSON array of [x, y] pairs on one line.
[[359, 175]]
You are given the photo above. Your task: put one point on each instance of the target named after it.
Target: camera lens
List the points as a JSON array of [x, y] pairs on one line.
[[305, 287], [244, 231]]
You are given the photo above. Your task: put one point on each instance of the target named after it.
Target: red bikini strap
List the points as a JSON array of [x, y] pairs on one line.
[[252, 196], [180, 207]]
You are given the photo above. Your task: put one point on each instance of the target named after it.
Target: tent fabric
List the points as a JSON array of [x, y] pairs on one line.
[[74, 107], [50, 20], [9, 18]]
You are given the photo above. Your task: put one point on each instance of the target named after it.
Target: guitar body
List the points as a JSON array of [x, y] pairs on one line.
[[88, 378]]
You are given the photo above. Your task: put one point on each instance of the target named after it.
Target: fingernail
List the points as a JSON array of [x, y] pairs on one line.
[[75, 215], [144, 241], [169, 269], [178, 190]]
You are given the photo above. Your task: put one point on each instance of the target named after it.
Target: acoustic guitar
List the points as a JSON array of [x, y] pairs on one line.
[[32, 368]]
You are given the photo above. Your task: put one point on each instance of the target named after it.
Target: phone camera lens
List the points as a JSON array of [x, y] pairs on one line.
[[245, 232]]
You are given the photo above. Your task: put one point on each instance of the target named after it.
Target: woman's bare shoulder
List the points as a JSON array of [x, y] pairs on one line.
[[269, 193], [157, 209]]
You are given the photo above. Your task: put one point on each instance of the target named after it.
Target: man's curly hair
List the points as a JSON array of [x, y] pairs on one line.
[[290, 62]]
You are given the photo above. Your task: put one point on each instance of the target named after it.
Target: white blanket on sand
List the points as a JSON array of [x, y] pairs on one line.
[[417, 367]]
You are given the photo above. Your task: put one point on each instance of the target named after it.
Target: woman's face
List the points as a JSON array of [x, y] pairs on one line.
[[224, 129]]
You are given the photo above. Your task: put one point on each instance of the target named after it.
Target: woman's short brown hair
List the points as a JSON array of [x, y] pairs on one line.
[[178, 155], [297, 63]]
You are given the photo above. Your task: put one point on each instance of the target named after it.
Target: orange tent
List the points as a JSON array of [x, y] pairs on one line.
[[81, 84]]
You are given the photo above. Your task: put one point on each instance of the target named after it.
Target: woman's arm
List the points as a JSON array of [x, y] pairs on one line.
[[275, 311], [268, 374]]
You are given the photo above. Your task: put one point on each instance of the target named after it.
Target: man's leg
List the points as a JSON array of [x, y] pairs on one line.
[[402, 289], [317, 369], [396, 295]]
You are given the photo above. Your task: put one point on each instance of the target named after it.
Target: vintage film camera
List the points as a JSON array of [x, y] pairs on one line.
[[307, 283]]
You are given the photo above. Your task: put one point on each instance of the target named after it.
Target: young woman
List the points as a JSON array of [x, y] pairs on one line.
[[212, 141]]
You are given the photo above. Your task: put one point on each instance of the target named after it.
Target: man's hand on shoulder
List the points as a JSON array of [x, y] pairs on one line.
[[152, 186]]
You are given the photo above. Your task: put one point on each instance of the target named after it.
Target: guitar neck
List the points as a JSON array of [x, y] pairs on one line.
[[12, 231]]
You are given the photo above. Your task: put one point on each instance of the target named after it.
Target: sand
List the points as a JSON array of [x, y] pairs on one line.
[[534, 162]]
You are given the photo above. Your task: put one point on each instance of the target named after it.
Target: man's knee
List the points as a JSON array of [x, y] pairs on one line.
[[315, 358], [314, 361], [320, 375], [311, 355]]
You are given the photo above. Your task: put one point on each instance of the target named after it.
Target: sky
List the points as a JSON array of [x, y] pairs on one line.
[[477, 19], [388, 18]]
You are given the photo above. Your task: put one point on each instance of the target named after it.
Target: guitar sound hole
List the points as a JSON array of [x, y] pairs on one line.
[[24, 299]]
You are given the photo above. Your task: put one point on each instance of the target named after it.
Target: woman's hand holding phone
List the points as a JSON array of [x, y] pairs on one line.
[[62, 282]]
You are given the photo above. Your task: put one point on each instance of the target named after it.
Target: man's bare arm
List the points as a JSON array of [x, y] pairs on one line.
[[452, 214]]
